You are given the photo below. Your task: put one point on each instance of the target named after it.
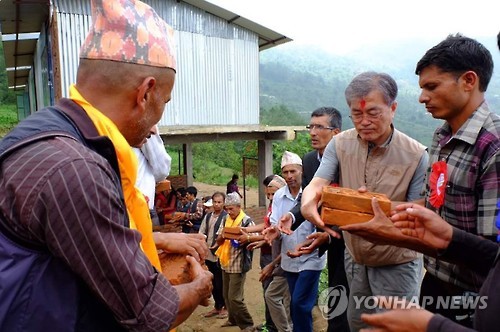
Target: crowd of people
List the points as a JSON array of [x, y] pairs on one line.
[[85, 206]]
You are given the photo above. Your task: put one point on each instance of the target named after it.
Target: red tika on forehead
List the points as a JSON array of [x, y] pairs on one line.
[[129, 31], [362, 104]]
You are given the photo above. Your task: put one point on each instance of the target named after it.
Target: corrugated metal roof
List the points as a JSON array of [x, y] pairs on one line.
[[217, 79], [267, 37], [23, 16]]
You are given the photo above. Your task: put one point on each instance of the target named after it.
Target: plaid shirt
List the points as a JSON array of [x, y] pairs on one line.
[[195, 213], [472, 156]]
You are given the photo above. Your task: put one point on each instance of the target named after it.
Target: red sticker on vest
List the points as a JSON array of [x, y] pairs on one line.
[[437, 182]]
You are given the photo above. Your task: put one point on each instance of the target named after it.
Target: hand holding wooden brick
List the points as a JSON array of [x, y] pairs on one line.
[[231, 233], [176, 268], [344, 206]]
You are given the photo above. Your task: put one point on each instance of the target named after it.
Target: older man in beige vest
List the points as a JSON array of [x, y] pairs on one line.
[[376, 156]]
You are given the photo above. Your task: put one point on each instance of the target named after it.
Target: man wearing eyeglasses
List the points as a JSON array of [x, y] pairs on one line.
[[376, 157], [325, 123]]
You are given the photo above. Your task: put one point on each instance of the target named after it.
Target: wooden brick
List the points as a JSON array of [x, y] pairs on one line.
[[347, 199], [175, 268], [231, 233], [341, 218]]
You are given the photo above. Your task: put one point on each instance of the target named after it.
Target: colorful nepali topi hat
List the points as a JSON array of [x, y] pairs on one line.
[[129, 31], [232, 199], [290, 158]]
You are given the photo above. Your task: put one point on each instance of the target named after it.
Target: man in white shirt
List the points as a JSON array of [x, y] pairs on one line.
[[153, 166]]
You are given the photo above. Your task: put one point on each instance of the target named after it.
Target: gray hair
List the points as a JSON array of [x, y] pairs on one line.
[[369, 81]]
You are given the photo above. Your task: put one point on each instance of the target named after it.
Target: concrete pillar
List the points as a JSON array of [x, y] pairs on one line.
[[265, 155], [188, 162]]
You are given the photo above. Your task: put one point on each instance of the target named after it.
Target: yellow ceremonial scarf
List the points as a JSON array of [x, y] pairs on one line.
[[224, 251], [137, 207]]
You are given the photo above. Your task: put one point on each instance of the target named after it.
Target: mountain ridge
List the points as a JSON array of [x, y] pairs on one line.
[[303, 78]]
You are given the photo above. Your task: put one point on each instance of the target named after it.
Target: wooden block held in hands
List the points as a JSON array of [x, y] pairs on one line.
[[344, 206], [231, 233], [175, 268], [341, 218]]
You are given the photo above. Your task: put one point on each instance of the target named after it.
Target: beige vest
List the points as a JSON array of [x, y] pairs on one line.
[[388, 170]]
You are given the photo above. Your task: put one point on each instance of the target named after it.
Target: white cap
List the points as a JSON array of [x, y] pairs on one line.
[[290, 158]]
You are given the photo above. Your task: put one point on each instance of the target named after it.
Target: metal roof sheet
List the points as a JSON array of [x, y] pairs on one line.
[[28, 16]]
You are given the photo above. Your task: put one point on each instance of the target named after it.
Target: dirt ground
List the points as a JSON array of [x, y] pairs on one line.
[[253, 288]]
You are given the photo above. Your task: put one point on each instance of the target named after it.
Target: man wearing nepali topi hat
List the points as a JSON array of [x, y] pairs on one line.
[[71, 218], [235, 260], [301, 273]]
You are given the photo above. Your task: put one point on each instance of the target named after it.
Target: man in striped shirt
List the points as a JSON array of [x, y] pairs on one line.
[[77, 251]]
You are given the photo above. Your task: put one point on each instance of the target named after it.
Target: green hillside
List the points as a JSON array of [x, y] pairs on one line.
[[295, 80], [303, 78], [8, 111]]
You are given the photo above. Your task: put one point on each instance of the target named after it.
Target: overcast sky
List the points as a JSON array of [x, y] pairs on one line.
[[346, 25]]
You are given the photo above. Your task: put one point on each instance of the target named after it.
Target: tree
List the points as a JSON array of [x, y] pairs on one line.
[[6, 96], [281, 116]]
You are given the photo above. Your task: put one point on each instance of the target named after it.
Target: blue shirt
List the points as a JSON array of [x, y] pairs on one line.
[[283, 201]]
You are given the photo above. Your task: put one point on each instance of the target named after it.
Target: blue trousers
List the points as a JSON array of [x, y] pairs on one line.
[[303, 292]]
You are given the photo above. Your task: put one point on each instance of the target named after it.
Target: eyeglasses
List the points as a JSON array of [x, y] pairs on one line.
[[318, 127], [371, 116]]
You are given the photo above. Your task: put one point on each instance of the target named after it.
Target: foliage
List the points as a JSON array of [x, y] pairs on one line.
[[292, 85], [323, 280], [300, 91], [222, 153], [280, 115], [304, 84], [303, 78], [8, 118], [301, 145], [6, 96], [207, 171], [293, 82], [8, 110], [215, 162]]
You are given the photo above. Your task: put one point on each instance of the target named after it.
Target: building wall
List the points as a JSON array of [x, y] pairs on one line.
[[178, 181], [217, 79], [30, 106], [41, 75]]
